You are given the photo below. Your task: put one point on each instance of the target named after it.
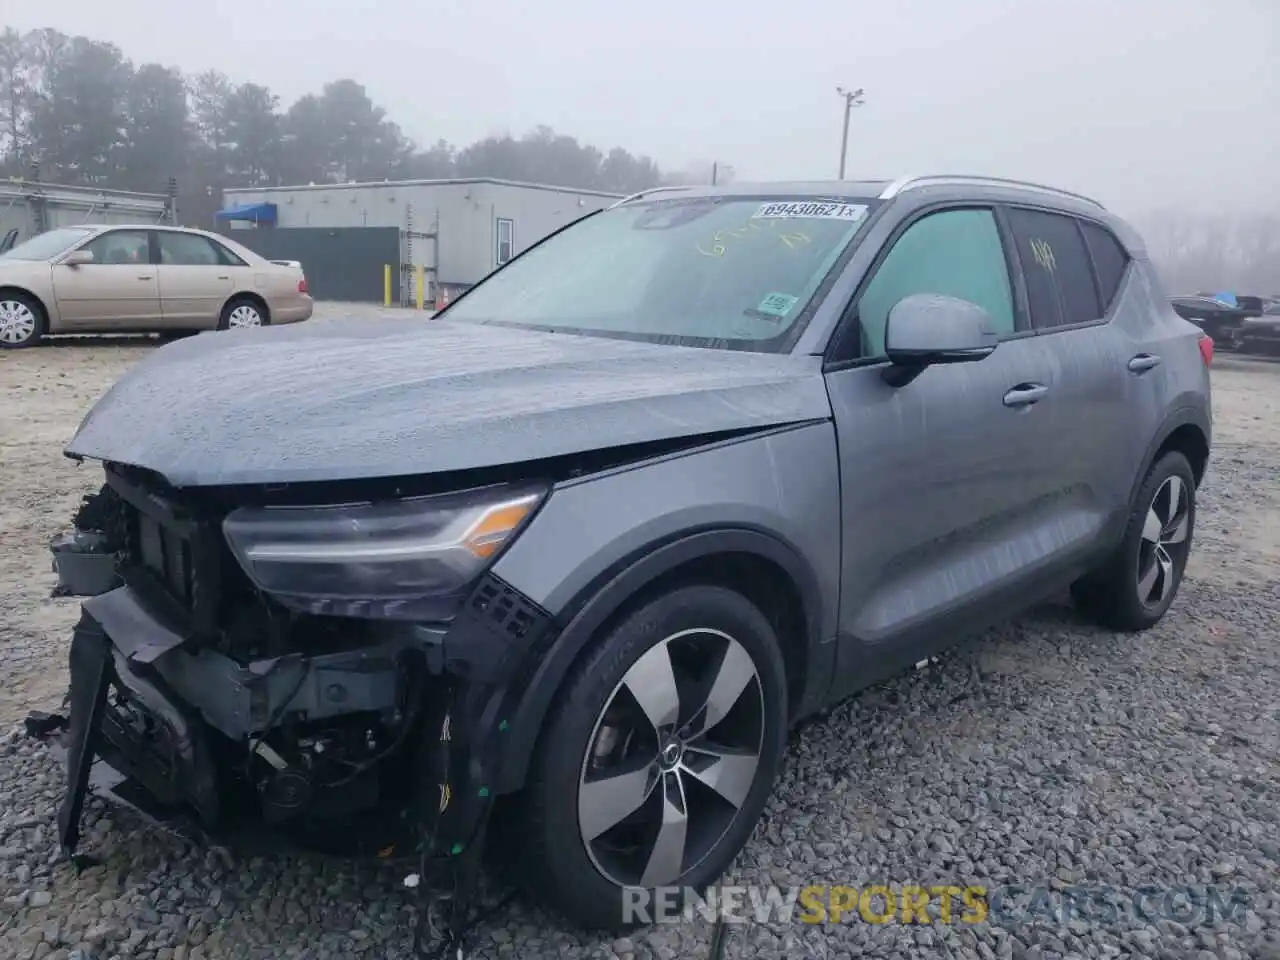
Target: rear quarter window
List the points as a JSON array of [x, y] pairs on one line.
[[226, 256], [1110, 261]]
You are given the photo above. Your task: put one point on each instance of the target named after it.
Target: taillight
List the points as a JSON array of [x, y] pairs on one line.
[[1206, 349], [302, 285]]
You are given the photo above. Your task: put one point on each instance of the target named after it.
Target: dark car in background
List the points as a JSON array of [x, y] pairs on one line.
[[1262, 334], [1224, 317]]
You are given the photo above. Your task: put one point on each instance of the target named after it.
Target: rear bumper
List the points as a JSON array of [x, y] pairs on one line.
[[293, 312]]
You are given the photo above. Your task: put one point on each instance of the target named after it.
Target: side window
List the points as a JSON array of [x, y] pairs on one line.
[[188, 250], [1056, 265], [120, 247], [956, 253], [1110, 260], [506, 240]]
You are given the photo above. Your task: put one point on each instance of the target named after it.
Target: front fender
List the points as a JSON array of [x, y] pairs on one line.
[[596, 609], [597, 542]]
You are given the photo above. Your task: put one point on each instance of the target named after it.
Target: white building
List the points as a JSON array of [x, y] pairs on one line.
[[28, 207], [459, 230]]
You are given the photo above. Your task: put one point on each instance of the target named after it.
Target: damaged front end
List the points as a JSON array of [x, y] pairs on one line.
[[271, 673]]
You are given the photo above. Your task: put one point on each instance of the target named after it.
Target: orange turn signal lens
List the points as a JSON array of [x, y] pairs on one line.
[[495, 526]]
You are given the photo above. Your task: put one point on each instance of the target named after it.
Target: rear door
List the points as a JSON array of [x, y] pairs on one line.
[[944, 480], [1075, 271], [117, 291], [196, 279]]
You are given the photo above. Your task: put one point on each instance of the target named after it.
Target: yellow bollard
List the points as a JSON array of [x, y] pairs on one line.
[[386, 285], [422, 276]]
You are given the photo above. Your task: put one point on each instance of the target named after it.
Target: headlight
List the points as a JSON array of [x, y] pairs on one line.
[[412, 559]]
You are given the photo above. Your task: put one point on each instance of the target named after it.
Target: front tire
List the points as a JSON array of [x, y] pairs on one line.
[[1135, 588], [22, 322], [658, 757]]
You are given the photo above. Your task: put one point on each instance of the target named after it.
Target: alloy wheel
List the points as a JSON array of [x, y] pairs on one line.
[[17, 322], [245, 316], [1164, 544], [672, 758]]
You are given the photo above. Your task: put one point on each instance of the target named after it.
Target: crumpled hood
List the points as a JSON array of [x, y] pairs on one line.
[[351, 399]]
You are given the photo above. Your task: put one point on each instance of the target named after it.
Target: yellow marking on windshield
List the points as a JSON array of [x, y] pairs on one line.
[[717, 248]]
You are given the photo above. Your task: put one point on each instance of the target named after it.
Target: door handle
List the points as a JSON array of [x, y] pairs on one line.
[[145, 277], [223, 276], [1025, 394], [1143, 362]]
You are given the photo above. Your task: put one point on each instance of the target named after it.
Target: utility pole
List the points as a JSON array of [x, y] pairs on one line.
[[852, 98], [715, 171]]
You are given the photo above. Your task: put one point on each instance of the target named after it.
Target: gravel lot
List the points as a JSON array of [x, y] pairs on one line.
[[1044, 752]]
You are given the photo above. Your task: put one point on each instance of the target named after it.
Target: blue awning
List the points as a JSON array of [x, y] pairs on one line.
[[256, 212]]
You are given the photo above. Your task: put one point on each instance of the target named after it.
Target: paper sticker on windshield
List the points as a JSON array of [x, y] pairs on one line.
[[776, 304], [810, 210]]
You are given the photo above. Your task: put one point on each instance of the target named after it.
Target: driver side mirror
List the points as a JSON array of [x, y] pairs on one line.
[[926, 329], [77, 257]]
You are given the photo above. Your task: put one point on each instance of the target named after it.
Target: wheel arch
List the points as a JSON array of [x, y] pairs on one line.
[[252, 296], [1187, 430], [1189, 440], [761, 566]]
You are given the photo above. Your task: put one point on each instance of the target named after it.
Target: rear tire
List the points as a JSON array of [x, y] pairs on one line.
[[1134, 589], [242, 313], [611, 724], [22, 321]]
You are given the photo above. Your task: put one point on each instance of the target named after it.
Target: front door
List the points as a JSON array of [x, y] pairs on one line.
[[946, 481], [195, 279], [117, 291]]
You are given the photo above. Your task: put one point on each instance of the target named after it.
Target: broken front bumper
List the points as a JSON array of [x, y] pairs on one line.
[[201, 708], [103, 748]]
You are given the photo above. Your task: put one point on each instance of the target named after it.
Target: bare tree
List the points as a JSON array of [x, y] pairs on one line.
[[1204, 253]]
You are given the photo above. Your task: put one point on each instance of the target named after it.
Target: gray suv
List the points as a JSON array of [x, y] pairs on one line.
[[589, 542]]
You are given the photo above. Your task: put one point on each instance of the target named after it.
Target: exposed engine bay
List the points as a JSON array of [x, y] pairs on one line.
[[301, 713], [202, 700]]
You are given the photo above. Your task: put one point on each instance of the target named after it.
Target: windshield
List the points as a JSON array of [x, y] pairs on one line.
[[732, 273], [49, 244]]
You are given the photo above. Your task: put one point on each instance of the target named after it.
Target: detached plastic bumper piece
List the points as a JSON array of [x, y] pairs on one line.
[[158, 769], [90, 679]]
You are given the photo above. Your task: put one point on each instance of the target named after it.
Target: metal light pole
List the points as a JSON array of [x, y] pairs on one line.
[[852, 98]]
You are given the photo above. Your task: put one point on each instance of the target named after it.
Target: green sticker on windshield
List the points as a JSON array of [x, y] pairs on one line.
[[777, 304]]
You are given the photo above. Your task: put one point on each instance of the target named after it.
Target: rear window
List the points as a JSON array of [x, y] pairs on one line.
[[1057, 268]]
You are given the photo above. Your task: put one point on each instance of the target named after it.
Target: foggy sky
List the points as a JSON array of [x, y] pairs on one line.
[[1142, 103]]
